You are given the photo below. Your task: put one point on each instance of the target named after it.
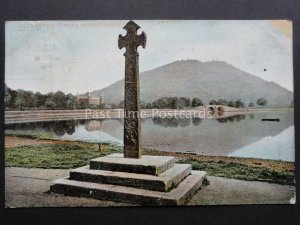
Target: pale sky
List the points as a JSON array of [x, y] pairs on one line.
[[80, 56]]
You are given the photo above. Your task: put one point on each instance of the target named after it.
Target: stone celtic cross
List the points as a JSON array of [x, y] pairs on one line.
[[132, 126]]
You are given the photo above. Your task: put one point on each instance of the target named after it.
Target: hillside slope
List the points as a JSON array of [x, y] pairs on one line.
[[205, 80]]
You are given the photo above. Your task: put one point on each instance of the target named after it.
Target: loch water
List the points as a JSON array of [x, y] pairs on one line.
[[240, 135]]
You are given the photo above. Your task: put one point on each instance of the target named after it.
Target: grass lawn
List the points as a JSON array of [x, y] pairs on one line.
[[243, 172], [55, 156], [70, 155]]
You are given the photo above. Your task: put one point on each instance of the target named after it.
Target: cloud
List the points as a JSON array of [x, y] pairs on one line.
[[80, 56]]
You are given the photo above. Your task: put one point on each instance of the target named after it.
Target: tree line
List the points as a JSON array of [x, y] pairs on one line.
[[20, 99], [185, 102]]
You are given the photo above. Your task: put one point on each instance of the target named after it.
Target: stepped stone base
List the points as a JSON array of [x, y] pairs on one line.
[[151, 180], [153, 165]]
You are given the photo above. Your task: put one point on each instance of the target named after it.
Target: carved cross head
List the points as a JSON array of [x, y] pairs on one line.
[[132, 40]]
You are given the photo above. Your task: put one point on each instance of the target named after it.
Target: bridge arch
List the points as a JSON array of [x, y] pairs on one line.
[[216, 108]]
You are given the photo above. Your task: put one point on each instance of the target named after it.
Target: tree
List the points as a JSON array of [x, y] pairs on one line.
[[10, 99], [71, 101], [19, 102], [6, 89], [161, 103], [121, 105], [239, 104], [261, 101], [213, 102], [101, 106], [222, 102], [59, 99], [24, 97], [174, 103], [196, 102], [83, 105], [27, 99], [148, 106], [114, 106], [180, 103], [38, 100], [7, 100], [171, 103], [231, 104], [186, 102], [251, 104], [6, 94], [50, 104], [142, 105]]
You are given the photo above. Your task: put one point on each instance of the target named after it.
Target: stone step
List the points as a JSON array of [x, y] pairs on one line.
[[176, 196], [152, 165], [163, 182]]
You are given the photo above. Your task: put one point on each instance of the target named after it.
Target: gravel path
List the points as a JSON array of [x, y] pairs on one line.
[[224, 191], [30, 188]]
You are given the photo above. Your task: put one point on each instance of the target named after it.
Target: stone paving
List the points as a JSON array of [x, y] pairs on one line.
[[30, 188]]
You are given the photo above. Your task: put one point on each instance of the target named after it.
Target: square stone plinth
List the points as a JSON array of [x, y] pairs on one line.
[[152, 165], [163, 182]]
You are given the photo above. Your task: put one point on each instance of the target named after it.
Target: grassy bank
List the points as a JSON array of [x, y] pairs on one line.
[[68, 155], [243, 172]]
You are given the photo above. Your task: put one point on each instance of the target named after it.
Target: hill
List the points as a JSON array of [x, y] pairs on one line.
[[205, 80]]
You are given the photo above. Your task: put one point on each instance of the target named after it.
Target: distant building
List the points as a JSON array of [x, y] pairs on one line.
[[89, 100], [102, 99]]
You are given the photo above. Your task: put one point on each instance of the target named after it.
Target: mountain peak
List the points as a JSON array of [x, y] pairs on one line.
[[184, 62], [194, 62], [216, 62]]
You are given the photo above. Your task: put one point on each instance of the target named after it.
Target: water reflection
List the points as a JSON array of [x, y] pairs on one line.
[[232, 118], [196, 121], [59, 128], [226, 135], [171, 122], [251, 116]]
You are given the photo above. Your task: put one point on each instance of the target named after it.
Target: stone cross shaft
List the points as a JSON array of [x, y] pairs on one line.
[[132, 126]]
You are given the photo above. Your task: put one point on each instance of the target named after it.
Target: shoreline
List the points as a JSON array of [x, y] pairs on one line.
[[192, 155], [55, 153]]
